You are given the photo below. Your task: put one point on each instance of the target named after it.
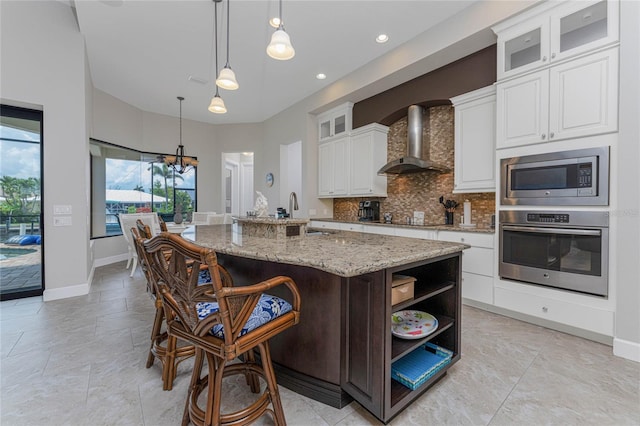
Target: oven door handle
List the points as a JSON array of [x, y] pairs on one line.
[[568, 231]]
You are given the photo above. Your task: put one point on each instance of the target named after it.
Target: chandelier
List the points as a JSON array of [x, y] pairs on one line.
[[180, 162]]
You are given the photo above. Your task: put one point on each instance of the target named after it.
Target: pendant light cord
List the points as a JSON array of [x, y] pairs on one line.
[[227, 66], [216, 39]]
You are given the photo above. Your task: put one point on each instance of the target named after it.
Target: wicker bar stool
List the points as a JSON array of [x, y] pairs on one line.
[[225, 324], [164, 347]]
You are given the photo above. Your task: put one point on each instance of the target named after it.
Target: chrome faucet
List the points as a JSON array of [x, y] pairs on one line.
[[293, 204]]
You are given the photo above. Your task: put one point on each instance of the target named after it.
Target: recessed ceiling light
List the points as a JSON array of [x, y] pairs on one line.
[[382, 38], [274, 22], [321, 76]]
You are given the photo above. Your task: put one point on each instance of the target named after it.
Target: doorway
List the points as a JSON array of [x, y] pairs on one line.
[[237, 178], [21, 224]]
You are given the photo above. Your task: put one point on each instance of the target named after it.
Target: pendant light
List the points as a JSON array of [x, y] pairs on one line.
[[280, 47], [217, 104], [227, 78]]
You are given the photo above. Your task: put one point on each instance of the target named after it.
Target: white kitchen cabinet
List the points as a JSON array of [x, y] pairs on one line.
[[425, 234], [576, 98], [583, 96], [335, 122], [351, 226], [324, 225], [522, 110], [530, 302], [553, 32], [348, 166], [522, 47], [380, 230], [477, 264], [333, 158], [475, 135], [368, 153]]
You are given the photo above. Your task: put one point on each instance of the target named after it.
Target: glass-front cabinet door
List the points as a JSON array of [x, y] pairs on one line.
[[335, 122], [559, 31], [523, 47], [580, 26]]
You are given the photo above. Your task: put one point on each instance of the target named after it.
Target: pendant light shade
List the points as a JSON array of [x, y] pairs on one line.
[[217, 104], [280, 47], [227, 79]]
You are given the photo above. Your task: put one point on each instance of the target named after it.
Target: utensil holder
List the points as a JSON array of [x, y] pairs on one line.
[[448, 218]]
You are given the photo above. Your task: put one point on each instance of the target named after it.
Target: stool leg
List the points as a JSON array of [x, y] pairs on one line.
[[214, 391], [265, 355], [155, 332], [169, 365], [195, 378], [252, 379]]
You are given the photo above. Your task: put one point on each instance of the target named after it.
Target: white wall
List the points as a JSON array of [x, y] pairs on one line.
[[43, 65], [627, 329]]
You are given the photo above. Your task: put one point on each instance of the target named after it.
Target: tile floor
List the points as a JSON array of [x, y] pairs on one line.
[[81, 361]]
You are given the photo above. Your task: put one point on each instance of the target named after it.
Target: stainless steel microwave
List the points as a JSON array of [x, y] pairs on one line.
[[568, 178]]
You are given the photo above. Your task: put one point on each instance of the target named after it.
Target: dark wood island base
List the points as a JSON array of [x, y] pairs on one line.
[[343, 348]]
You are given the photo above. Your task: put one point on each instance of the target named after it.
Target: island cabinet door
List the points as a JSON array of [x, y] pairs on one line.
[[364, 313]]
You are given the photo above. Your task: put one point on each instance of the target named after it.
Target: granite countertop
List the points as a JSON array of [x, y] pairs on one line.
[[342, 253], [436, 227]]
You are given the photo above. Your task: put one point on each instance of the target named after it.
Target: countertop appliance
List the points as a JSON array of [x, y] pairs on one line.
[[369, 211], [565, 250], [568, 178]]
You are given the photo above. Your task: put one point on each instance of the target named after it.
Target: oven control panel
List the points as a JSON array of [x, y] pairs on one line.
[[548, 217]]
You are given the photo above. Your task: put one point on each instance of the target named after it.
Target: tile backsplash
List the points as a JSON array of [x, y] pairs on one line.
[[420, 191]]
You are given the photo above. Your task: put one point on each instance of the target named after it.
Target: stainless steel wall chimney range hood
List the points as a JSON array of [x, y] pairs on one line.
[[413, 161]]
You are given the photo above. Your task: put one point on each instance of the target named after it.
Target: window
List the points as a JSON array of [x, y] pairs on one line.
[[124, 180], [21, 226]]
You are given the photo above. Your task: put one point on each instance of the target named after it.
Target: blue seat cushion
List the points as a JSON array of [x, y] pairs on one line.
[[268, 308], [204, 276]]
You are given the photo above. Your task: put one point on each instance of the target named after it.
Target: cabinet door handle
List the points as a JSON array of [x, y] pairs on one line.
[[553, 55], [544, 136], [551, 135], [544, 59]]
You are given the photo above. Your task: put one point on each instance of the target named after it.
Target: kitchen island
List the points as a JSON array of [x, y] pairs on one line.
[[343, 348]]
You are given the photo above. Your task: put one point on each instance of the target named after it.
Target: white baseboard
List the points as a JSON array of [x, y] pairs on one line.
[[65, 292], [626, 349], [109, 260]]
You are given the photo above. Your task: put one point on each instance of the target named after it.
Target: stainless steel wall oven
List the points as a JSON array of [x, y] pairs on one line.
[[565, 250]]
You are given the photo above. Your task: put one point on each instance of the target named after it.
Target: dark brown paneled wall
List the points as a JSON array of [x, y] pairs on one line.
[[435, 88]]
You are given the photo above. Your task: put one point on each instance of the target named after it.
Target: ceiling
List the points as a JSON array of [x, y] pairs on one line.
[[148, 52]]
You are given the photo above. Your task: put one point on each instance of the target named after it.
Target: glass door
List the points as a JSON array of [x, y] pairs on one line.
[[21, 224]]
